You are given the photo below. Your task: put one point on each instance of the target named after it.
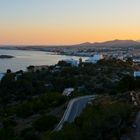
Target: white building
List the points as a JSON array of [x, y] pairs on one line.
[[136, 73], [95, 58], [136, 61], [68, 91]]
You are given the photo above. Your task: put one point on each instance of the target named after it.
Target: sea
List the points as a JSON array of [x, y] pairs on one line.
[[24, 58]]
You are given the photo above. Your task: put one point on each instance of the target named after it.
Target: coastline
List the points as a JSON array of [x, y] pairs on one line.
[[24, 58], [52, 52]]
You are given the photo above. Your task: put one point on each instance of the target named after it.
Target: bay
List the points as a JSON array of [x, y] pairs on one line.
[[23, 58]]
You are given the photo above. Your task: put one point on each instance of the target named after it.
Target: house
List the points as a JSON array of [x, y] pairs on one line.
[[136, 73], [136, 61], [68, 91], [95, 58]]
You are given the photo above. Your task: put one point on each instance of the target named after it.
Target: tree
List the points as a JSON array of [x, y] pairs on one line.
[[63, 63], [126, 83], [45, 123], [129, 61], [29, 134], [8, 71], [31, 68]]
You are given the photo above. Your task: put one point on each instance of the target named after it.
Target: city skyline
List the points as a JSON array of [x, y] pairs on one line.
[[63, 22]]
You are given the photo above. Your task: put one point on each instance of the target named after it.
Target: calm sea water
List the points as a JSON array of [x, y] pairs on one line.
[[25, 58]]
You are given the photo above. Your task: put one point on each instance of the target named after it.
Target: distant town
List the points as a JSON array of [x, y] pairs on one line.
[[119, 49]]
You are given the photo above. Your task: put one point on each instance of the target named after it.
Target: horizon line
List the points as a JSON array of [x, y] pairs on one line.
[[73, 44]]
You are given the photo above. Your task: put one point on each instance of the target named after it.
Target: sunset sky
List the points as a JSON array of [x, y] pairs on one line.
[[55, 22]]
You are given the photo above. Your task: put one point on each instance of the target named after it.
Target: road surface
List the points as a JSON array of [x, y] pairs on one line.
[[74, 109]]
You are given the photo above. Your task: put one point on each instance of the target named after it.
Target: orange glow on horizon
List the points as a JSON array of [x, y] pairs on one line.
[[60, 22], [64, 35]]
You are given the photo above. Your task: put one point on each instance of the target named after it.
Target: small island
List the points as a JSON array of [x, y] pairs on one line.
[[6, 56]]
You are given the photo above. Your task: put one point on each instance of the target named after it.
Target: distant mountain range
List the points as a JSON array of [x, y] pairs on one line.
[[113, 43]]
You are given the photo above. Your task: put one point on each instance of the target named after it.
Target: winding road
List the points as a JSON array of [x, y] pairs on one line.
[[74, 109]]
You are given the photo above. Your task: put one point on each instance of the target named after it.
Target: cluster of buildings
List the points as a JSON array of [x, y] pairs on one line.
[[109, 52], [75, 63], [95, 58]]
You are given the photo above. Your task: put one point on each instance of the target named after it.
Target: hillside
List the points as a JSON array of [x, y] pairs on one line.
[[112, 43]]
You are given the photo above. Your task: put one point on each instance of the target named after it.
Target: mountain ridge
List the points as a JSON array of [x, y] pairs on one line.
[[111, 43]]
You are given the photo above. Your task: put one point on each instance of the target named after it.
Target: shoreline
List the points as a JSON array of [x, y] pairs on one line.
[[45, 58], [47, 51]]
